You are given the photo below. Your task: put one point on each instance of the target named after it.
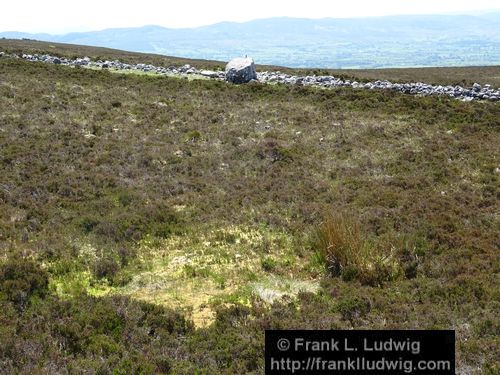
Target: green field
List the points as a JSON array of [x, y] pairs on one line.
[[158, 225]]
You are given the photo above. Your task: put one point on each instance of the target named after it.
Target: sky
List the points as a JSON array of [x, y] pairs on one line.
[[61, 16]]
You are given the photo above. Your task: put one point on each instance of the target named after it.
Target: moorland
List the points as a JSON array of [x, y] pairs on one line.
[[154, 224]]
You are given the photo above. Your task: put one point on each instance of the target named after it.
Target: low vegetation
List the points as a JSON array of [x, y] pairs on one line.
[[348, 253], [160, 225]]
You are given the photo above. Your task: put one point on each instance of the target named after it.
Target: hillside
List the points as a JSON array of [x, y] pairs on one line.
[[152, 224], [465, 76], [378, 42]]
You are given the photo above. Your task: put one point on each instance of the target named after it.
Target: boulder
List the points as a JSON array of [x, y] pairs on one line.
[[82, 62], [240, 70], [209, 73], [185, 68]]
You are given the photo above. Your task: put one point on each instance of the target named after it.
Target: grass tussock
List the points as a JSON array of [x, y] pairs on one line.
[[346, 252]]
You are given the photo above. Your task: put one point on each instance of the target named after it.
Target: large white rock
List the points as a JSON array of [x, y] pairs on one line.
[[240, 70]]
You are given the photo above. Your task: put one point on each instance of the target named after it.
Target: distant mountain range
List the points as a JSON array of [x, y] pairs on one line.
[[393, 41]]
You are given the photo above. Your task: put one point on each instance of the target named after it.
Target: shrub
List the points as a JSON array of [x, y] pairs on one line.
[[160, 321], [20, 279], [272, 150], [126, 254], [106, 267], [88, 224], [352, 308]]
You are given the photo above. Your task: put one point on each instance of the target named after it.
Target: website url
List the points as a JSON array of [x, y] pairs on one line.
[[358, 364]]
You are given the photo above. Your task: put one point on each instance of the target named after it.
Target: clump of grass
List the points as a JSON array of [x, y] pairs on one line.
[[192, 136], [268, 264], [342, 246]]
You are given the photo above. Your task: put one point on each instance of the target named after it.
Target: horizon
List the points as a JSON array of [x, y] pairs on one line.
[[55, 17], [472, 14], [327, 42]]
